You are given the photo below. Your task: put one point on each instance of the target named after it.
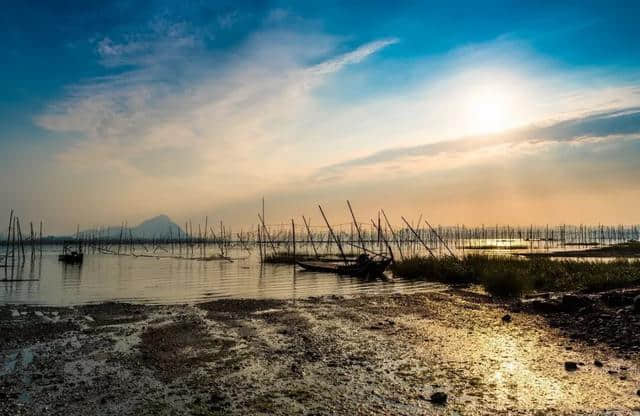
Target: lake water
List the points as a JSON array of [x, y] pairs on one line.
[[106, 277]]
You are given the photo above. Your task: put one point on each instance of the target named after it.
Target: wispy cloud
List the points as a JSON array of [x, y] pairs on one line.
[[175, 119], [619, 124]]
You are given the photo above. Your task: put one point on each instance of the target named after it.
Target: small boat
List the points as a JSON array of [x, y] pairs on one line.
[[70, 257], [363, 267]]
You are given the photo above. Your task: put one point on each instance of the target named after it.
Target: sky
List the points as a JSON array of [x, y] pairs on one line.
[[507, 112]]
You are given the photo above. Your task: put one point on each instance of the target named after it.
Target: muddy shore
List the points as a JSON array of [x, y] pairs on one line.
[[330, 355]]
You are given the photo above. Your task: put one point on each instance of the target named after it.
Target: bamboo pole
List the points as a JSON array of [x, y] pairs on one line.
[[442, 241], [313, 244], [418, 237], [355, 222], [20, 239], [260, 244], [6, 255], [333, 235], [393, 233], [385, 241], [266, 231], [120, 238], [293, 237]]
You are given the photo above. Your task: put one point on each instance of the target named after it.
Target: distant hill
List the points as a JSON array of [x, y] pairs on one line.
[[158, 227]]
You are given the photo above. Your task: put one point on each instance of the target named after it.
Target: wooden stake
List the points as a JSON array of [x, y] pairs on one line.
[[356, 224], [6, 255], [334, 236], [393, 233], [313, 244], [418, 237], [442, 241]]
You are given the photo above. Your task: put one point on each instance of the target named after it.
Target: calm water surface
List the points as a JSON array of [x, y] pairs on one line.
[[105, 277]]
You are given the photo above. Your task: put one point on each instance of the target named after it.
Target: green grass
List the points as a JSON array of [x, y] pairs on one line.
[[508, 277]]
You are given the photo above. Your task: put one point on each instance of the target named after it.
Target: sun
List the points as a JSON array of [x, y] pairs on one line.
[[488, 109]]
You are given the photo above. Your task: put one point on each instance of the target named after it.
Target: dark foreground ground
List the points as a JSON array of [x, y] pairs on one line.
[[363, 355]]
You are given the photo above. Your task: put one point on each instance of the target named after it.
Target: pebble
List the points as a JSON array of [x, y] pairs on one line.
[[506, 318], [570, 366], [598, 363], [439, 397]]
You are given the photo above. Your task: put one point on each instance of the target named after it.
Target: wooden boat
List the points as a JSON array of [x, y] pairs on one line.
[[369, 268], [70, 257]]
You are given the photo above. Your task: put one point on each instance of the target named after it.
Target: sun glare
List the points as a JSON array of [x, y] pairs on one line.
[[488, 109]]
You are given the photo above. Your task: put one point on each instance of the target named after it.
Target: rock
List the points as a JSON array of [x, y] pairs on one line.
[[638, 392], [38, 313], [636, 304], [88, 318], [439, 397], [598, 363], [573, 303], [545, 306], [570, 365], [506, 318], [14, 313]]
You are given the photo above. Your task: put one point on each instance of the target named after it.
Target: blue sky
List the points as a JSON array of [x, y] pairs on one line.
[[124, 105]]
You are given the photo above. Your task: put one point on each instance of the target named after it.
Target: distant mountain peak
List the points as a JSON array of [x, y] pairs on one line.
[[159, 226]]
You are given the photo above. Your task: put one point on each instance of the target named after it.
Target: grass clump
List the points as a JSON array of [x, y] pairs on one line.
[[514, 276]]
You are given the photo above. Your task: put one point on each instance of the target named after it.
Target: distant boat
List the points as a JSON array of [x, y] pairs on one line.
[[364, 267], [70, 257]]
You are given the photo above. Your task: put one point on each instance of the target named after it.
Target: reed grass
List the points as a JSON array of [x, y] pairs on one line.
[[514, 276]]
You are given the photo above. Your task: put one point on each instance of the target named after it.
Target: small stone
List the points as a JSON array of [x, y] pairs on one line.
[[638, 392], [439, 397], [506, 318], [636, 304], [570, 365], [598, 363]]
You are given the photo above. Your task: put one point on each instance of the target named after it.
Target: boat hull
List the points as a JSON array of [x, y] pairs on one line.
[[74, 258], [369, 269]]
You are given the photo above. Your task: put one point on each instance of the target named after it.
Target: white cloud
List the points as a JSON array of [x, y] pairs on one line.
[[228, 126]]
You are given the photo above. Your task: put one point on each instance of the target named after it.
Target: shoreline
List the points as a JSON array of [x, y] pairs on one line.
[[367, 354]]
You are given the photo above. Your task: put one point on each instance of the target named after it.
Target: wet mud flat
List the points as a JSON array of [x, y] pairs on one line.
[[331, 355]]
